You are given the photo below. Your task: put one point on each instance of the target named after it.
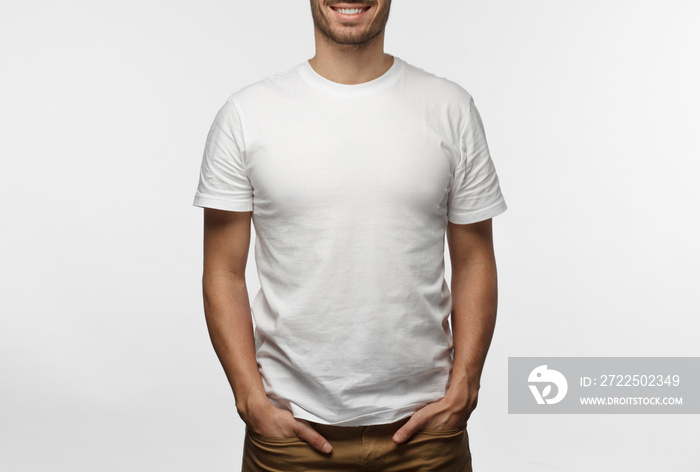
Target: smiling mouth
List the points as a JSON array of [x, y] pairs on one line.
[[351, 11]]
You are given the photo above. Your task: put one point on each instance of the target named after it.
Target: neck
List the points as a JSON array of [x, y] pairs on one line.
[[349, 64]]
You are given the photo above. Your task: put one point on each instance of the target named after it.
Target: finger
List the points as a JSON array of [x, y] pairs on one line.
[[311, 436], [405, 432]]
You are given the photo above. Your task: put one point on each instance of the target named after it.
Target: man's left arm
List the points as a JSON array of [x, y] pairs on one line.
[[474, 304]]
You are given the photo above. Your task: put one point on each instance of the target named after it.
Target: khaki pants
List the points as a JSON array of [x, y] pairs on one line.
[[360, 449]]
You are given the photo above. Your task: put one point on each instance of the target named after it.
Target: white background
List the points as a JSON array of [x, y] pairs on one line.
[[591, 112]]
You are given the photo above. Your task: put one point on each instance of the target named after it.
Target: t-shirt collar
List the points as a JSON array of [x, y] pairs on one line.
[[352, 90]]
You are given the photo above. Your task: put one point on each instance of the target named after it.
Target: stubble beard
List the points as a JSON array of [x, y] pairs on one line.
[[351, 39]]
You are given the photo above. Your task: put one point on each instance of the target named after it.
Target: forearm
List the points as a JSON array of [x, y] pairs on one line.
[[230, 326], [474, 296]]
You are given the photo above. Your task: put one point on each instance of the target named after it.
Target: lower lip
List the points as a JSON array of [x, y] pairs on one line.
[[356, 17]]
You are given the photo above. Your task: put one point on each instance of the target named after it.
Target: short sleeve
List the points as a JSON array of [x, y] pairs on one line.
[[223, 182], [475, 194]]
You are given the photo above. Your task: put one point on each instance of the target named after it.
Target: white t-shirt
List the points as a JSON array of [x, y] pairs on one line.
[[351, 188]]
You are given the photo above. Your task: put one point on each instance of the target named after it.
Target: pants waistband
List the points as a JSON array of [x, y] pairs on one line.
[[335, 431]]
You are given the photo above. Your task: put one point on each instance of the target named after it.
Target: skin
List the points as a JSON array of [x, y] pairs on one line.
[[474, 290], [347, 53], [350, 52]]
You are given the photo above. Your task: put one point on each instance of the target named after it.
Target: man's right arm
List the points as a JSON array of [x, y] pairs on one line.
[[230, 325], [226, 303]]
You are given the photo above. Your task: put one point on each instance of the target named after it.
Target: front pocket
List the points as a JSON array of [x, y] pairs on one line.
[[271, 439], [445, 432]]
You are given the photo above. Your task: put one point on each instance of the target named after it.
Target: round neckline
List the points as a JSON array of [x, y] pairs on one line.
[[352, 90]]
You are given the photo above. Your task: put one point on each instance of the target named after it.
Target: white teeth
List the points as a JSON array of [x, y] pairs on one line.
[[350, 11]]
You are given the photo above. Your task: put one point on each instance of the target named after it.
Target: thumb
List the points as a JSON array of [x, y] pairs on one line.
[[307, 433], [405, 432]]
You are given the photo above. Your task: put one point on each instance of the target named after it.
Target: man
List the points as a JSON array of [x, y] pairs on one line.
[[353, 166]]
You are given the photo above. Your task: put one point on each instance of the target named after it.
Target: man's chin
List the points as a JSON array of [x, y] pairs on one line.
[[347, 39]]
